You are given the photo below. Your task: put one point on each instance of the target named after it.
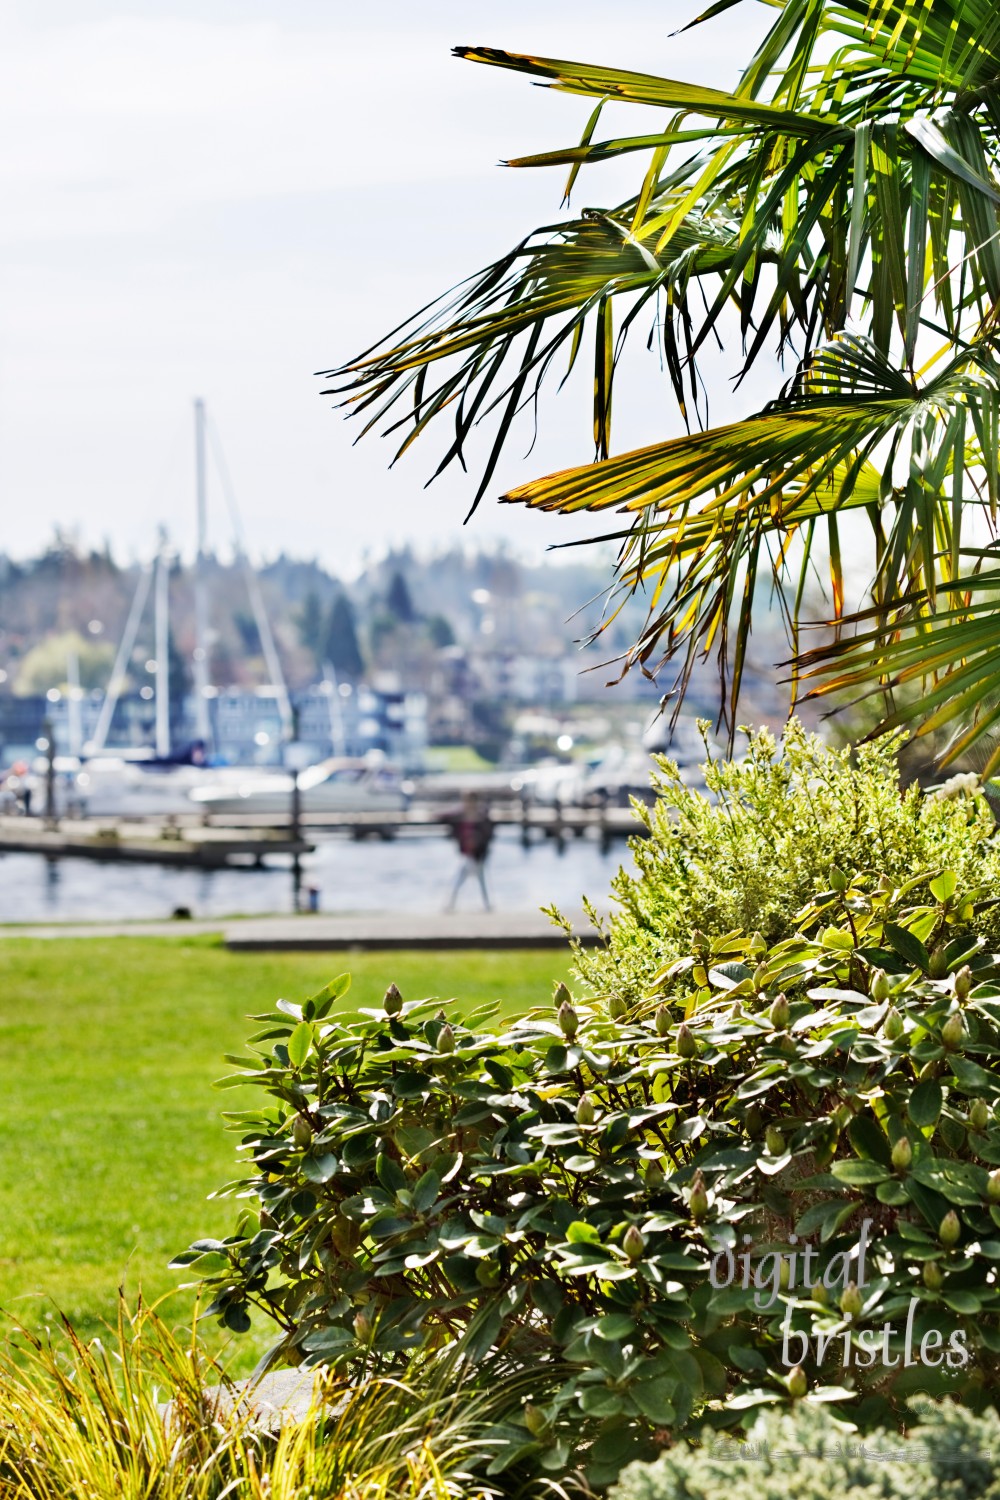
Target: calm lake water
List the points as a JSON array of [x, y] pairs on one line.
[[408, 874]]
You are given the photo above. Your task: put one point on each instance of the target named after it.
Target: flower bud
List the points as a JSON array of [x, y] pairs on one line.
[[819, 1293], [902, 1154], [892, 1026], [698, 1201], [699, 942], [993, 1186], [655, 1176], [760, 976], [633, 1244], [568, 1020], [938, 966], [963, 982], [616, 1007], [758, 945], [950, 1229], [838, 880], [535, 1420], [363, 1328], [780, 1012], [685, 1041], [446, 1039], [585, 1111], [953, 1031], [302, 1132], [979, 1114], [661, 1020], [561, 995], [392, 1003], [774, 1141], [753, 1120], [933, 1276], [880, 986], [797, 1383], [851, 1300]]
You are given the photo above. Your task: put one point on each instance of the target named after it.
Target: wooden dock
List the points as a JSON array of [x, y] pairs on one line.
[[163, 841], [234, 840], [541, 821]]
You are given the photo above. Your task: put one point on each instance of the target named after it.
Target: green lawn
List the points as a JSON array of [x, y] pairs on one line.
[[110, 1130]]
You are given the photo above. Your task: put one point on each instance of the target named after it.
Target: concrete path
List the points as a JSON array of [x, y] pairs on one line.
[[319, 933], [485, 929]]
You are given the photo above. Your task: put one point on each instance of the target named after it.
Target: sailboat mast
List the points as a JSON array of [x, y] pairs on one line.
[[74, 718], [162, 636], [203, 728]]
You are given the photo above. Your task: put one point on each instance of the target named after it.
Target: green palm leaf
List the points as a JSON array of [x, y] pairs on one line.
[[839, 205]]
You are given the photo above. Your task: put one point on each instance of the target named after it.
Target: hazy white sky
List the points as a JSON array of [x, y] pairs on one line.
[[219, 197]]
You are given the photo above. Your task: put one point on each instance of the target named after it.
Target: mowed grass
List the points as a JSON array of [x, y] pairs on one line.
[[111, 1135]]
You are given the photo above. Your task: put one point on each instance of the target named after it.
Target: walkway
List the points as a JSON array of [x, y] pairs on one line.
[[372, 930]]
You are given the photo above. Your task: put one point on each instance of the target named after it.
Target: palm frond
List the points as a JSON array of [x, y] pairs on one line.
[[840, 205]]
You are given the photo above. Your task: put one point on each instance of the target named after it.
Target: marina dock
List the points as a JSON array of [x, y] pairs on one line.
[[542, 820], [165, 841], [191, 839]]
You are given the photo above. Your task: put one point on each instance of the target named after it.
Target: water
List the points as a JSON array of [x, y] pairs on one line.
[[411, 874]]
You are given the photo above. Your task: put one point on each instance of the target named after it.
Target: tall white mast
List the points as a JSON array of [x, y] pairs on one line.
[[253, 590], [74, 718], [162, 632], [118, 672], [203, 728]]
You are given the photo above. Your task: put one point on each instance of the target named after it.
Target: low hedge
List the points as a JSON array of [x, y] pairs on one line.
[[773, 826]]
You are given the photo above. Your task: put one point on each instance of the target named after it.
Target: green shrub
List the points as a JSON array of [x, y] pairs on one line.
[[566, 1192], [950, 1455], [774, 825]]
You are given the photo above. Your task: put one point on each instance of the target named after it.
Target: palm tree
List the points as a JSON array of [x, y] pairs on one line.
[[839, 207]]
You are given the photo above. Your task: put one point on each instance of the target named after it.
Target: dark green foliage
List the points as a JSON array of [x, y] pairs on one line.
[[950, 1455], [179, 678], [398, 601], [248, 632], [771, 829], [340, 646], [309, 620], [558, 1189], [439, 631]]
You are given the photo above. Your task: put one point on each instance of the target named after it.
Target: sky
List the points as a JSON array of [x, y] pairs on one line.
[[219, 198]]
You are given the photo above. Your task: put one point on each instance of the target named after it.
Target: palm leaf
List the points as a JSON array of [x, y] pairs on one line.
[[839, 204]]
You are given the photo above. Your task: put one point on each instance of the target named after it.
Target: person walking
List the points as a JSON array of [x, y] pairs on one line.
[[473, 832]]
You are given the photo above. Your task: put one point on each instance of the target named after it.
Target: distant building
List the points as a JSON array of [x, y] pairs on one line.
[[246, 725], [21, 721], [351, 721]]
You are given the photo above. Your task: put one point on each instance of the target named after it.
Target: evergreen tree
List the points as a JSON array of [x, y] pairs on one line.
[[340, 645], [178, 681], [399, 601], [440, 632], [310, 624]]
